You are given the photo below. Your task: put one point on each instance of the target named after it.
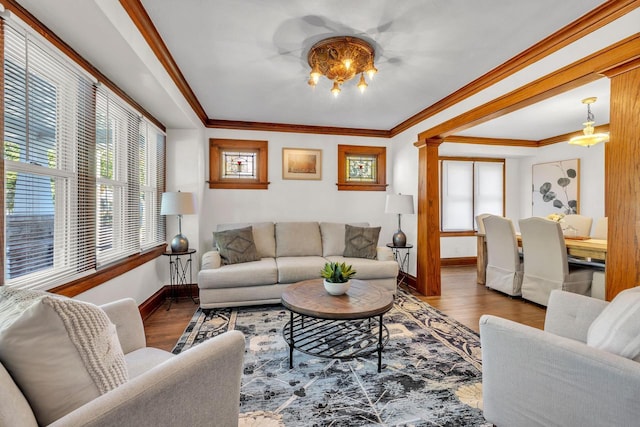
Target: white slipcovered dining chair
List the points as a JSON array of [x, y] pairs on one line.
[[504, 268], [600, 229], [576, 225], [545, 262]]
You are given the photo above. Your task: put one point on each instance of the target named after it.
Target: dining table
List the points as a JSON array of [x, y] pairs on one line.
[[578, 247], [582, 247]]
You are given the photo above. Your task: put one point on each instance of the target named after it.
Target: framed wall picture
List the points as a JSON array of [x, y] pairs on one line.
[[556, 188], [301, 163]]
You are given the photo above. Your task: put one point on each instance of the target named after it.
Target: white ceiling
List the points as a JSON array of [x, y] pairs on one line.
[[246, 59]]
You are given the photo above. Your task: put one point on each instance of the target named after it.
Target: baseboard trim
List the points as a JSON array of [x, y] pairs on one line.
[[450, 262], [156, 300]]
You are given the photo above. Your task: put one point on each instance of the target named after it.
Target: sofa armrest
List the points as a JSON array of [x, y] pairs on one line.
[[569, 315], [125, 315], [532, 377], [210, 260], [384, 253], [198, 387]]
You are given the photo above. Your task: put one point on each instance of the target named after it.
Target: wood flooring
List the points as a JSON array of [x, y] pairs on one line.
[[462, 298]]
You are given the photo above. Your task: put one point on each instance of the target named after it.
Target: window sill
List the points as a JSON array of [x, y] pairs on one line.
[[83, 284]]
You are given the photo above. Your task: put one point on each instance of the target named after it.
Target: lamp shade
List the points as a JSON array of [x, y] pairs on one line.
[[399, 204], [178, 203]]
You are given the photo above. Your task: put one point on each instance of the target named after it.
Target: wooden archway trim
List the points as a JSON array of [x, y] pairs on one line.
[[569, 77], [622, 157]]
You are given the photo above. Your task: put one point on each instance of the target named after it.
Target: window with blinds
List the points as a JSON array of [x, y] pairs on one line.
[[470, 188], [78, 192]]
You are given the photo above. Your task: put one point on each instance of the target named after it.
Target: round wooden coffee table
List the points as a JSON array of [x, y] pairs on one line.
[[339, 327]]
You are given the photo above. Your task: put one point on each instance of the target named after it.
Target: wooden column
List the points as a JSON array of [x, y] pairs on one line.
[[622, 180], [428, 258]]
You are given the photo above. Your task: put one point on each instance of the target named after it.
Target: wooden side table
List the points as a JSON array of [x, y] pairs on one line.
[[178, 270], [403, 260]]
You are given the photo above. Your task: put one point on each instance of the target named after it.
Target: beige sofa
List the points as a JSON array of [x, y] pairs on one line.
[[193, 388], [289, 252]]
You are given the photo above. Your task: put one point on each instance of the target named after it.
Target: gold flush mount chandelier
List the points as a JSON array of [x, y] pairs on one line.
[[588, 138], [340, 59]]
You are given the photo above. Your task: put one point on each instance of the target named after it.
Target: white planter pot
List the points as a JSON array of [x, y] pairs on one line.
[[337, 288]]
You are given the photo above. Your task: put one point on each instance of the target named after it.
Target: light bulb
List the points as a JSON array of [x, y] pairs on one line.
[[362, 84], [347, 63], [335, 90], [372, 71]]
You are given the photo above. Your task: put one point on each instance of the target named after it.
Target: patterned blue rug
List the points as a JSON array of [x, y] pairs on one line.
[[431, 372]]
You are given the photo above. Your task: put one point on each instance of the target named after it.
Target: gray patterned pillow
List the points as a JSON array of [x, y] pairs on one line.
[[236, 246], [361, 242]]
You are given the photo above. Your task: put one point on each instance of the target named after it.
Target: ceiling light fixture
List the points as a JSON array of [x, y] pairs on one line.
[[340, 59], [588, 138]]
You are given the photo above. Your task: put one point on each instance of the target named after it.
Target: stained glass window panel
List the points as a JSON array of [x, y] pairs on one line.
[[362, 168], [239, 165]]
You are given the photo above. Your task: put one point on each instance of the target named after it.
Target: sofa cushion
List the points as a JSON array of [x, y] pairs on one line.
[[295, 269], [333, 237], [236, 246], [62, 353], [617, 328], [298, 239], [367, 269], [263, 236], [361, 242], [141, 360], [262, 272]]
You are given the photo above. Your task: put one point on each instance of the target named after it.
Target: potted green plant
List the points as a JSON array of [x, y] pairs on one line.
[[337, 277]]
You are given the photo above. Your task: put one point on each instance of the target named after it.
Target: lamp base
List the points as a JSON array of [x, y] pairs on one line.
[[179, 243], [399, 238]]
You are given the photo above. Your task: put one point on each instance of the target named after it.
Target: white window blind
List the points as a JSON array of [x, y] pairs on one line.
[[47, 138], [457, 195], [117, 179], [83, 171], [470, 188], [152, 149]]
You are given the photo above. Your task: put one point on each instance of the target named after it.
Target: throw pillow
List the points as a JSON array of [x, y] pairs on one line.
[[62, 353], [361, 242], [617, 328], [236, 246]]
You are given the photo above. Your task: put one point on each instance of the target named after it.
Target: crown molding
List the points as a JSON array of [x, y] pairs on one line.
[[574, 75], [567, 136], [491, 141], [25, 16], [281, 127], [592, 21], [143, 22]]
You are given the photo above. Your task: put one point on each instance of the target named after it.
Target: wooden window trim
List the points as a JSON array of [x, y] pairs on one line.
[[361, 150], [218, 146], [76, 287]]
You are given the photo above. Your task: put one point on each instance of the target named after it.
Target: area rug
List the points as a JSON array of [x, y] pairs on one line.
[[431, 372]]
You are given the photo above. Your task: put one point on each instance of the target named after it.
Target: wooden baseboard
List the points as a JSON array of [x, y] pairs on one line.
[[449, 262], [156, 300]]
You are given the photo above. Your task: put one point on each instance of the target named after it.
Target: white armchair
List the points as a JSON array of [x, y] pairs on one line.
[[548, 378], [200, 386]]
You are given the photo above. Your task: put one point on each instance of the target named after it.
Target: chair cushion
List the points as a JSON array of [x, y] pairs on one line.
[[62, 353], [298, 239], [236, 246], [617, 328], [361, 242]]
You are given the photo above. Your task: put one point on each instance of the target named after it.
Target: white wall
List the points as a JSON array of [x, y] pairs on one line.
[[139, 284], [291, 200]]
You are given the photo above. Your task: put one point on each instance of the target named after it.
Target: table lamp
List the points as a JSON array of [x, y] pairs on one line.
[[178, 203], [399, 204]]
